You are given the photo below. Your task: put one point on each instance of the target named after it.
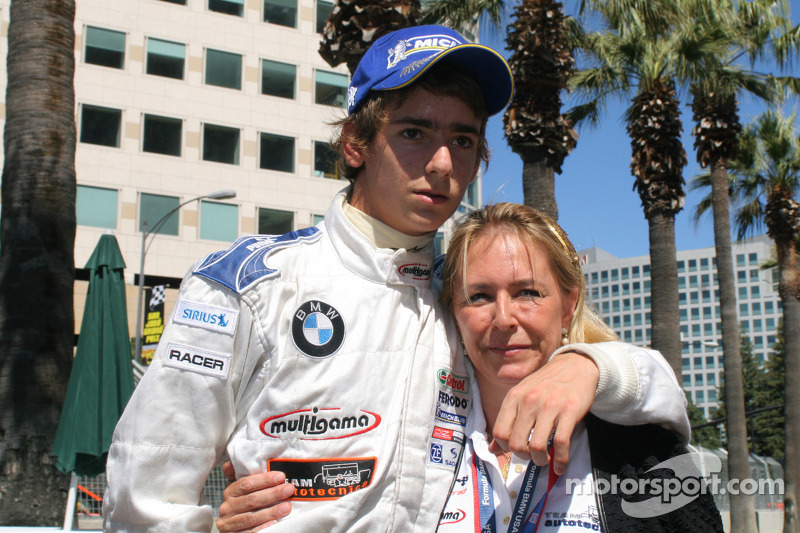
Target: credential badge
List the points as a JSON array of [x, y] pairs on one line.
[[317, 329]]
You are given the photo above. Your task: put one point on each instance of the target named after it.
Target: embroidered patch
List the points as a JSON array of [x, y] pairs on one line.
[[206, 316], [326, 479], [317, 329], [320, 424], [197, 360]]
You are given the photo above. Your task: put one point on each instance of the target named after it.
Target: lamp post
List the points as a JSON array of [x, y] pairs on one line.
[[218, 195]]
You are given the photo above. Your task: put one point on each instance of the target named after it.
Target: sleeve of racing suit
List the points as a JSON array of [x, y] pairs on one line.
[[636, 386], [176, 426]]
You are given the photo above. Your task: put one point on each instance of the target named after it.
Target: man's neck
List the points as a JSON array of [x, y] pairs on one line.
[[383, 235]]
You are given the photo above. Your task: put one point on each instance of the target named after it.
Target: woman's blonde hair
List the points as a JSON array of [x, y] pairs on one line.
[[532, 227]]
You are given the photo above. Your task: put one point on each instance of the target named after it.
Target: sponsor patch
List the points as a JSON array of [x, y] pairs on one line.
[[417, 271], [452, 517], [449, 400], [206, 316], [317, 329], [452, 418], [197, 360], [452, 381], [319, 424], [326, 479], [445, 446]]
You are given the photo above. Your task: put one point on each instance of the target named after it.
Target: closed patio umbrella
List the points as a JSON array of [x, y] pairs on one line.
[[101, 381]]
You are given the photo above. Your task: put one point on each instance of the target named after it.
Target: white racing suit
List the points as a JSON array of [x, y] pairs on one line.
[[313, 353]]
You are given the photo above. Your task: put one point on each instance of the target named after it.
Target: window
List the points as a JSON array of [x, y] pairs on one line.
[[324, 8], [604, 276], [324, 160], [220, 144], [754, 274], [278, 79], [704, 263], [695, 313], [318, 219], [637, 287], [162, 135], [229, 7], [152, 207], [681, 267], [682, 315], [614, 275], [594, 277], [712, 396], [104, 47], [742, 293], [740, 260], [219, 222], [692, 265], [687, 379], [179, 2], [741, 276], [281, 12], [95, 206], [743, 310], [753, 258], [755, 291], [687, 365], [705, 280], [330, 88], [756, 308], [223, 69], [100, 125], [635, 271], [165, 58], [768, 308], [277, 153], [700, 396], [275, 222], [625, 273], [681, 282]]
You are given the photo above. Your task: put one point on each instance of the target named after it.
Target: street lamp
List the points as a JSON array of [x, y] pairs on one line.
[[219, 195]]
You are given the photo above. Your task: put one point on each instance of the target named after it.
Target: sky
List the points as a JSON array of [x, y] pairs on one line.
[[597, 205]]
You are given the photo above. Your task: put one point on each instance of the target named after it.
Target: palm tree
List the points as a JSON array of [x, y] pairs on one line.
[[535, 128], [767, 172], [37, 230], [354, 25], [727, 32], [638, 56]]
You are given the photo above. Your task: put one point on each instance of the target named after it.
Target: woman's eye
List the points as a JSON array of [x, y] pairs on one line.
[[530, 293], [478, 297]]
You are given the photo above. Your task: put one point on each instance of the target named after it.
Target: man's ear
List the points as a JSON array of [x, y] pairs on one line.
[[353, 154]]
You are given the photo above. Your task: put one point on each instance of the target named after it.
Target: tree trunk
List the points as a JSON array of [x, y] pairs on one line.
[[37, 230], [539, 186], [743, 514], [664, 315], [789, 290]]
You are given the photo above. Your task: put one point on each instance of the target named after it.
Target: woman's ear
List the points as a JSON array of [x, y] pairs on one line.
[[570, 308]]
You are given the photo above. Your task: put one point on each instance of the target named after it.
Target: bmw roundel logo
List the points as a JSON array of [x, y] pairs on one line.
[[317, 329]]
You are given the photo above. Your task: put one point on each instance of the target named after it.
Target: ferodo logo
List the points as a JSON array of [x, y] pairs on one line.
[[415, 270], [319, 424], [452, 401], [451, 381]]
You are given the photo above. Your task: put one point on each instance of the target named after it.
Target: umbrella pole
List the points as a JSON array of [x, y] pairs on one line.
[[69, 515]]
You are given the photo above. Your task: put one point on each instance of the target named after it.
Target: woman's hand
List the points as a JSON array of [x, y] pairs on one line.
[[554, 398], [254, 502]]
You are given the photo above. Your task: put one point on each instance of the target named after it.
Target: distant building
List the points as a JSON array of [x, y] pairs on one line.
[[619, 289], [176, 99]]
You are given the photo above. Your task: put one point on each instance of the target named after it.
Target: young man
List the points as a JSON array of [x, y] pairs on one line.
[[322, 353]]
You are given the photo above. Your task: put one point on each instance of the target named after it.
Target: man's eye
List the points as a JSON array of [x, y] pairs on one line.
[[463, 141], [411, 133]]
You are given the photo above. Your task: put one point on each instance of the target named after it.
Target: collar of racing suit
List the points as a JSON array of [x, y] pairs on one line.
[[360, 254]]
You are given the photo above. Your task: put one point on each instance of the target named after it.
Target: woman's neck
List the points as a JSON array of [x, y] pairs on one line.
[[492, 396]]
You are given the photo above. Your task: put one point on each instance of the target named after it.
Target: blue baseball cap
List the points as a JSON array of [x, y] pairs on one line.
[[399, 58]]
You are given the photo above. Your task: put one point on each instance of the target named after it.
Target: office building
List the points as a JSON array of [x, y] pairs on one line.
[[619, 289]]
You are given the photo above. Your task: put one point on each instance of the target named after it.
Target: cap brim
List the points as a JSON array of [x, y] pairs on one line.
[[486, 66]]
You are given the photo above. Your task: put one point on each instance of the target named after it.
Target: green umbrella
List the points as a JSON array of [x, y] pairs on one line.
[[101, 381]]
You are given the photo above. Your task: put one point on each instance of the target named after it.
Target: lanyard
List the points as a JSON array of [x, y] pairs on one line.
[[484, 499]]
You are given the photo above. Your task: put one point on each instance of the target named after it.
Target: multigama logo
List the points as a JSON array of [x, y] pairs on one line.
[[319, 424], [452, 381], [415, 270]]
